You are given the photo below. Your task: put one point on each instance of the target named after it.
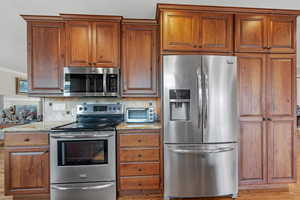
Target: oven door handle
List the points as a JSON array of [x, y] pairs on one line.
[[97, 187], [80, 136], [201, 151]]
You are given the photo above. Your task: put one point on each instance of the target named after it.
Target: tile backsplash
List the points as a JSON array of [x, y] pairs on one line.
[[64, 109]]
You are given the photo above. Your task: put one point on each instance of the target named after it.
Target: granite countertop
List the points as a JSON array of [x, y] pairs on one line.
[[34, 127], [130, 126]]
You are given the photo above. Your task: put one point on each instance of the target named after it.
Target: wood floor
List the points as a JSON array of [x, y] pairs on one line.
[[290, 193]]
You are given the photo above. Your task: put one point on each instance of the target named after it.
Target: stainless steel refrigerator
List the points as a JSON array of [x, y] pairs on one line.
[[201, 126]]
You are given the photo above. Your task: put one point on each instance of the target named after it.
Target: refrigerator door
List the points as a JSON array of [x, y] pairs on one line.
[[200, 170], [182, 99], [220, 109]]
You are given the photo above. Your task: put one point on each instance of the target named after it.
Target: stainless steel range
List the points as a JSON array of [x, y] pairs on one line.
[[83, 155]]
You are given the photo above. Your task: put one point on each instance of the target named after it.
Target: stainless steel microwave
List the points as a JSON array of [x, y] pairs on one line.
[[140, 115], [90, 81]]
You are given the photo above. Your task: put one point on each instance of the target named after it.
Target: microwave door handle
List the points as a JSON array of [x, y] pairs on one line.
[[105, 82]]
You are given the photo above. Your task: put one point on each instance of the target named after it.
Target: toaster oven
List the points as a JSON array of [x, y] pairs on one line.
[[140, 115]]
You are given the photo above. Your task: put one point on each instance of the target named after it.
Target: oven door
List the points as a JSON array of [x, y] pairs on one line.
[[80, 191], [82, 157]]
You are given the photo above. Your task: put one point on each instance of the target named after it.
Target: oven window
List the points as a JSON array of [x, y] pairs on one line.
[[84, 152]]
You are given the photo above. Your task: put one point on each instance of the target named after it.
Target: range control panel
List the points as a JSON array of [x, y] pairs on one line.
[[101, 108]]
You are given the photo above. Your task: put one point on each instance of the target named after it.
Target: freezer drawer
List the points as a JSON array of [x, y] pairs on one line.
[[80, 191], [201, 170]]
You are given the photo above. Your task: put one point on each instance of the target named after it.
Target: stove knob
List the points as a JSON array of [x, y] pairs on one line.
[[85, 108], [80, 108]]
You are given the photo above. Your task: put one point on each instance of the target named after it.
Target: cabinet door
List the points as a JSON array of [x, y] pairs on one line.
[[251, 33], [282, 33], [281, 152], [253, 152], [179, 31], [106, 44], [281, 85], [253, 149], [215, 32], [140, 58], [26, 171], [79, 43], [46, 47]]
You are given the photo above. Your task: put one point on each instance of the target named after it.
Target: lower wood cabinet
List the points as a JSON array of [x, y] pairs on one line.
[[139, 161], [26, 167], [267, 119]]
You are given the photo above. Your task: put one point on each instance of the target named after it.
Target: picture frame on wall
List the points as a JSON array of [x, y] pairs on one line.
[[21, 86]]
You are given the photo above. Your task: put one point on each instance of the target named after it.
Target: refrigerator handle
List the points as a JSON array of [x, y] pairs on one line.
[[205, 89], [199, 89]]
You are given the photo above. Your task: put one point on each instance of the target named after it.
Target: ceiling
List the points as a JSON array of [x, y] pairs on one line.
[[13, 28]]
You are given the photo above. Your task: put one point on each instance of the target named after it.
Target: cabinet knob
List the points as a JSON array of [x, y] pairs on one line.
[[139, 184], [200, 46], [139, 155], [139, 140], [140, 170], [195, 46], [269, 119], [90, 63], [26, 140]]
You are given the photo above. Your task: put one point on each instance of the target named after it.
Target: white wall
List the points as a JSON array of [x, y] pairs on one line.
[[8, 81]]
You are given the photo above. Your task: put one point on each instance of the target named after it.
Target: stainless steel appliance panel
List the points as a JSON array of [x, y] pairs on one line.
[[220, 114], [182, 73], [83, 173], [82, 191], [202, 170]]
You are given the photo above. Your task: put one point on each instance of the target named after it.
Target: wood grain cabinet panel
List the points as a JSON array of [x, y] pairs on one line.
[[26, 171], [46, 57], [265, 33], [93, 43], [282, 33], [251, 33], [106, 44], [197, 31], [282, 167], [281, 85], [252, 71], [139, 140], [180, 30], [134, 155], [139, 169], [140, 60], [216, 32], [139, 183], [79, 41], [253, 152]]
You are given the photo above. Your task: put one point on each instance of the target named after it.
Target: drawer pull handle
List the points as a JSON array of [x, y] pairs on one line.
[[139, 155], [140, 184], [140, 170], [26, 140], [139, 141]]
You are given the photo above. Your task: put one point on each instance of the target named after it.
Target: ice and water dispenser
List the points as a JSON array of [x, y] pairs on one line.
[[179, 105]]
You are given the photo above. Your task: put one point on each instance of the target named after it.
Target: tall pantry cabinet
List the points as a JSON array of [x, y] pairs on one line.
[[264, 41]]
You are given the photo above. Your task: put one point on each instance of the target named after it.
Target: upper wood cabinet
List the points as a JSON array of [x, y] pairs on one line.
[[139, 58], [265, 33], [45, 54], [93, 40], [196, 31]]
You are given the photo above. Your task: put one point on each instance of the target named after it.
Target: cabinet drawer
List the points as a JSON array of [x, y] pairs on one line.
[[131, 155], [26, 139], [139, 183], [139, 140], [139, 169]]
